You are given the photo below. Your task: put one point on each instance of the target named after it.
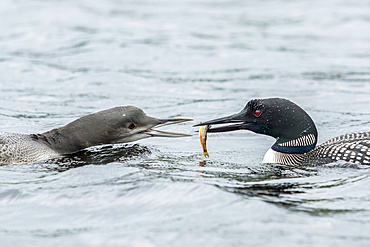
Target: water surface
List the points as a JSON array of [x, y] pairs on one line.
[[60, 60]]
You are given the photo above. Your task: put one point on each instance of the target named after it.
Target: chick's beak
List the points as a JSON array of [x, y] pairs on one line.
[[164, 122]]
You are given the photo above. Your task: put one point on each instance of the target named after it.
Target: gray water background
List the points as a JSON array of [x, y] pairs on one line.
[[60, 60]]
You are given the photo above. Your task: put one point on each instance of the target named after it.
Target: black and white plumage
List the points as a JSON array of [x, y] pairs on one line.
[[116, 125], [353, 147], [295, 134]]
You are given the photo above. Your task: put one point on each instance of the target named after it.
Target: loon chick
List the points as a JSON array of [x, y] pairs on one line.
[[295, 134], [116, 125]]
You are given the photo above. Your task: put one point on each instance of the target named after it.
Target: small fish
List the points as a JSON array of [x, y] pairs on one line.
[[203, 138]]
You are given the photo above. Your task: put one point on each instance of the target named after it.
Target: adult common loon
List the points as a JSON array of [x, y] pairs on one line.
[[116, 125], [295, 134]]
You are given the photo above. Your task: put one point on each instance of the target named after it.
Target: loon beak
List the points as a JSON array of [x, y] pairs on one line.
[[164, 122], [237, 121]]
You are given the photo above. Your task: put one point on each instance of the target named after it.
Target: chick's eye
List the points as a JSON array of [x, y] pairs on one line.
[[131, 126], [257, 113]]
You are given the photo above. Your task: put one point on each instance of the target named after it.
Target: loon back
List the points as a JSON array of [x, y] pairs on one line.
[[20, 148], [295, 134], [353, 147]]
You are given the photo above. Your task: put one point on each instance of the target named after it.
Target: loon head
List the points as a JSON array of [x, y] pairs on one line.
[[116, 125], [289, 124]]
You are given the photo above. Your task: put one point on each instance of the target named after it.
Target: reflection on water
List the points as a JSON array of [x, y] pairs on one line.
[[100, 155], [60, 60]]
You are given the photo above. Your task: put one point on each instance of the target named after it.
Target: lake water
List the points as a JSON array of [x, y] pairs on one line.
[[60, 60]]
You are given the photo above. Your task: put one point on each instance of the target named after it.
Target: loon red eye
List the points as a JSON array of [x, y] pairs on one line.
[[257, 113]]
